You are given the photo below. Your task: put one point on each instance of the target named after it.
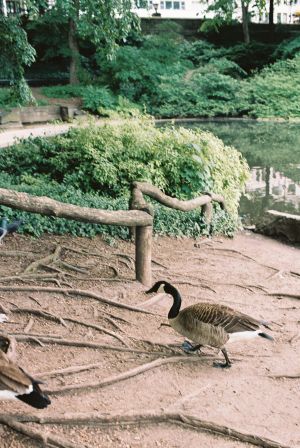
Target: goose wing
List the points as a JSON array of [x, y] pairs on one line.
[[219, 316], [12, 377]]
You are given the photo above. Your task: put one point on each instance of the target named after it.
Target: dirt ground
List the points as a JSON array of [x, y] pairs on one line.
[[248, 398]]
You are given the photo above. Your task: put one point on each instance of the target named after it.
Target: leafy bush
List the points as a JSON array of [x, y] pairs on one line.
[[6, 99], [65, 91], [203, 95], [274, 92], [247, 56], [98, 98], [106, 159], [136, 71], [287, 49]]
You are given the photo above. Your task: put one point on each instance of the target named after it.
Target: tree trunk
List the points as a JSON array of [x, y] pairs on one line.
[[245, 22], [74, 50], [4, 8], [271, 13], [143, 251]]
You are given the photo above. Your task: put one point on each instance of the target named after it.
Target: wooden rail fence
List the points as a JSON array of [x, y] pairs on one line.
[[139, 217]]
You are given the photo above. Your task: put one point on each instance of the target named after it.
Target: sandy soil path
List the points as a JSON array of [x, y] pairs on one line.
[[248, 398]]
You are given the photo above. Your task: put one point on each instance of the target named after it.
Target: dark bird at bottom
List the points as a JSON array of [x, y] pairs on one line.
[[209, 324], [16, 384]]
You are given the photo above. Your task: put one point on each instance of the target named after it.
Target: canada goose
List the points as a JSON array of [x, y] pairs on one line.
[[16, 384], [208, 323]]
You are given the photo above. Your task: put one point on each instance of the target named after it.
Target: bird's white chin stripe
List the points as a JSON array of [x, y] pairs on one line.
[[243, 336], [161, 288]]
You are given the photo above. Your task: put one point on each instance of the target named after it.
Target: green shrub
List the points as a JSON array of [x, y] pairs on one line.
[[64, 91], [99, 100], [247, 56], [203, 95], [107, 159], [274, 92], [287, 49], [136, 71], [95, 99]]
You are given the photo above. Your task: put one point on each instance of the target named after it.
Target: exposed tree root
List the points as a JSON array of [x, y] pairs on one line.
[[204, 282], [295, 376], [45, 260], [76, 292], [125, 375], [29, 325], [80, 343], [62, 320], [152, 417], [237, 252], [68, 370], [17, 253], [283, 294], [34, 335], [41, 313], [85, 252], [40, 436]]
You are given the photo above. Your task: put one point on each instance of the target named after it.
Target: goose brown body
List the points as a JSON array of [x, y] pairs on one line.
[[15, 383], [208, 323], [211, 324]]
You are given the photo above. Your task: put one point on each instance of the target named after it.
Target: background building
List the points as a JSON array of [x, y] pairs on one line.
[[285, 11]]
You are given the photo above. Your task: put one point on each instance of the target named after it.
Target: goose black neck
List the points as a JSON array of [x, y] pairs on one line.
[[174, 310]]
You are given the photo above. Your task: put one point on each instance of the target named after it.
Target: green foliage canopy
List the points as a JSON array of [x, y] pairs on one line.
[[15, 54]]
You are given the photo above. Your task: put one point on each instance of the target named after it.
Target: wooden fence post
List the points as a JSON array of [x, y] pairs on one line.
[[143, 253]]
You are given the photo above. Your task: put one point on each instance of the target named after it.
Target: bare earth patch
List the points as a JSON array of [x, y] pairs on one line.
[[129, 370]]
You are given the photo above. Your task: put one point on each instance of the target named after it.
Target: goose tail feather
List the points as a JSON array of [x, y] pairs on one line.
[[36, 398], [266, 336]]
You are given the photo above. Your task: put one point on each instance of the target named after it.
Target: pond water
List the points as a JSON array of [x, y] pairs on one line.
[[272, 151]]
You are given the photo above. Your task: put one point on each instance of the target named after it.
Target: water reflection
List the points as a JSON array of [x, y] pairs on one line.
[[273, 154], [266, 189]]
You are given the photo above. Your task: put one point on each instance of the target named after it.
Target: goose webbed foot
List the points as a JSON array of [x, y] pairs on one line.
[[223, 365], [187, 347]]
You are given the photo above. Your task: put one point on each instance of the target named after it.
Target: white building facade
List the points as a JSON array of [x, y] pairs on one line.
[[285, 11]]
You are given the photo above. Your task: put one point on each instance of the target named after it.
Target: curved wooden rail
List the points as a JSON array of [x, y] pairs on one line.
[[185, 206], [140, 215], [51, 207]]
